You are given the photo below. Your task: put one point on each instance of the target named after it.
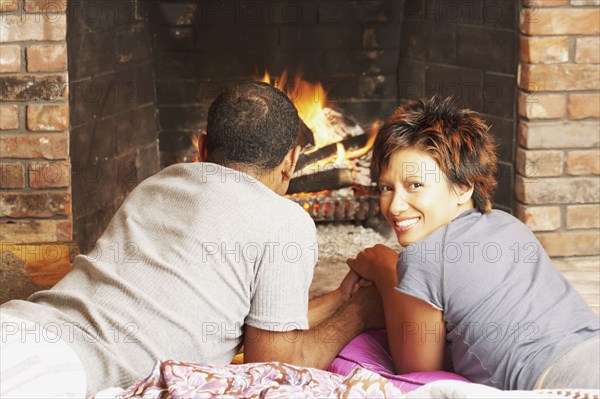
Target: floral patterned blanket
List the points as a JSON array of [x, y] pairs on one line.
[[184, 380], [179, 380]]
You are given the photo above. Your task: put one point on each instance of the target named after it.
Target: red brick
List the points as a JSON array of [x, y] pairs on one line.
[[47, 117], [10, 58], [49, 146], [587, 50], [583, 162], [9, 117], [12, 175], [559, 77], [541, 106], [563, 21], [544, 163], [47, 58], [585, 2], [557, 190], [572, 243], [544, 50], [64, 230], [583, 216], [49, 174], [28, 231], [583, 106], [34, 87], [539, 218], [14, 28], [9, 5], [45, 6], [46, 204], [564, 134], [544, 3]]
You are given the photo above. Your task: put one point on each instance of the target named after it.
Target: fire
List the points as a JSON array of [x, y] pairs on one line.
[[372, 135], [309, 99], [311, 102], [337, 160], [341, 154]]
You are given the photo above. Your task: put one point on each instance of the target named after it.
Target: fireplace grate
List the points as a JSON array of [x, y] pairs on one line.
[[328, 208]]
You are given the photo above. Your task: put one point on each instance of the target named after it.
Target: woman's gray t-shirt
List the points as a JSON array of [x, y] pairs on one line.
[[509, 313]]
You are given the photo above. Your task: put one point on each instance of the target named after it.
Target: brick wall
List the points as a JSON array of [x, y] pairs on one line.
[[72, 144], [469, 50], [558, 155], [113, 115], [349, 46], [35, 170], [34, 119]]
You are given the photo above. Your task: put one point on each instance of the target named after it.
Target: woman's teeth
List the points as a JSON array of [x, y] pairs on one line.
[[407, 222]]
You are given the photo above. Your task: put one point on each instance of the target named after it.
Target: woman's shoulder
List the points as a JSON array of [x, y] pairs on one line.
[[474, 224]]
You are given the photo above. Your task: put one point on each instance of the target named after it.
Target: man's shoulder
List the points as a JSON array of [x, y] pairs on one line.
[[291, 214]]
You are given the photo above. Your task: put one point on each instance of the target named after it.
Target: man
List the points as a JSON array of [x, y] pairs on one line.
[[199, 259]]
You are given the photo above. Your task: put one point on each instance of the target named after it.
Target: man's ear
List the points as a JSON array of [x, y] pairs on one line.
[[291, 160], [464, 194], [202, 152]]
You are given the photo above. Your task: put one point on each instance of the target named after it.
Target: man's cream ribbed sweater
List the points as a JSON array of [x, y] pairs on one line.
[[193, 254]]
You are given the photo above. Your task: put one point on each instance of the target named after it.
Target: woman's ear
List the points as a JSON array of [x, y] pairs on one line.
[[464, 194]]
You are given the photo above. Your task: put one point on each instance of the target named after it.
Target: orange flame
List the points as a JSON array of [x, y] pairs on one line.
[[372, 136], [310, 100]]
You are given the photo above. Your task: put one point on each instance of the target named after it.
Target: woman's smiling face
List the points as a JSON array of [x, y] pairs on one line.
[[416, 197]]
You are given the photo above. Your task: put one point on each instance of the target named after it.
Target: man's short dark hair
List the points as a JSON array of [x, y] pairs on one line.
[[252, 124]]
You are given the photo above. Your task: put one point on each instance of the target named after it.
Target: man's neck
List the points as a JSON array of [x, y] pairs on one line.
[[266, 177]]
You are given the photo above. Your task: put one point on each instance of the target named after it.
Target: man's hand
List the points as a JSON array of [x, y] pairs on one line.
[[323, 307], [375, 264], [318, 346], [369, 307], [351, 284]]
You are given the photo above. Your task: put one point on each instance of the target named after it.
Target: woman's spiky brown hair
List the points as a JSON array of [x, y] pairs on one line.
[[457, 138]]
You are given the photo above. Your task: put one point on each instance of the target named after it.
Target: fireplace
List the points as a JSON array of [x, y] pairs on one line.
[[367, 55], [334, 178], [142, 70], [99, 94]]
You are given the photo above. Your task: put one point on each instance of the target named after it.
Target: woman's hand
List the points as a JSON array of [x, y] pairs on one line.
[[351, 284], [376, 264]]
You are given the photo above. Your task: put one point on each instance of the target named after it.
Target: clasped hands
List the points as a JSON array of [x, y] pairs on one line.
[[372, 269], [376, 264]]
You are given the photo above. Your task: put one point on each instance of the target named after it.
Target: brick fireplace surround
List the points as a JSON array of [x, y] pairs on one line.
[[557, 183]]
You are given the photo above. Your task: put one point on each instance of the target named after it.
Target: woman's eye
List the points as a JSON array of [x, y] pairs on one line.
[[384, 189], [414, 186]]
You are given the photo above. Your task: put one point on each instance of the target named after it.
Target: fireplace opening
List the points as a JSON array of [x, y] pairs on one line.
[[366, 56], [334, 179], [161, 64]]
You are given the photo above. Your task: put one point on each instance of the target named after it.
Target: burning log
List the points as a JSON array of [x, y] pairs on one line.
[[307, 138], [330, 150], [331, 179]]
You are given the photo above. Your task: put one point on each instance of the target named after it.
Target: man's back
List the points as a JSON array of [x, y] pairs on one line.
[[193, 254]]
